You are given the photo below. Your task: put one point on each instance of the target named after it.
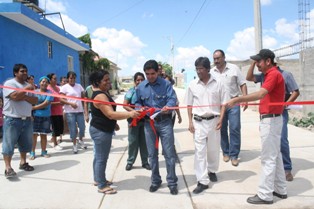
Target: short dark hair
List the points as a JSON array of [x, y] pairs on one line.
[[17, 68], [50, 75], [97, 76], [151, 64], [202, 61], [221, 51], [71, 73], [137, 75], [62, 77]]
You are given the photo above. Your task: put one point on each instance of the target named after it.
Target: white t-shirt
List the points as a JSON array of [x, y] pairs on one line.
[[210, 96], [15, 109], [74, 91]]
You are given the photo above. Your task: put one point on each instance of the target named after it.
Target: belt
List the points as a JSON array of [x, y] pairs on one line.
[[22, 118], [200, 118], [269, 116], [161, 117]]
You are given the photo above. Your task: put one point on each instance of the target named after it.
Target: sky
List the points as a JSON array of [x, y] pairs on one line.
[[130, 32]]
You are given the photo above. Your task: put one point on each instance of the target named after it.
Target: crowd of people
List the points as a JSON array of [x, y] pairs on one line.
[[213, 100]]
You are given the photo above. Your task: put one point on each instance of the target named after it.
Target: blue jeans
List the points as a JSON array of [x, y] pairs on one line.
[[73, 120], [102, 144], [284, 148], [164, 131], [17, 131], [231, 148]]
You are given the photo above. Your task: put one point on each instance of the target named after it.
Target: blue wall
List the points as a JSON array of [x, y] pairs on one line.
[[19, 44]]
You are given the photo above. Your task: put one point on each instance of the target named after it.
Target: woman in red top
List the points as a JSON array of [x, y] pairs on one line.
[[56, 111]]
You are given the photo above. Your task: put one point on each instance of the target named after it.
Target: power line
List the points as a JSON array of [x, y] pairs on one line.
[[122, 12], [189, 28]]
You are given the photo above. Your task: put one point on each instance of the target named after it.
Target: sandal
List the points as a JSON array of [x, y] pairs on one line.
[[107, 190], [26, 167], [108, 183], [9, 173]]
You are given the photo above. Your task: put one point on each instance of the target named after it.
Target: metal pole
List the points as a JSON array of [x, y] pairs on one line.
[[258, 26]]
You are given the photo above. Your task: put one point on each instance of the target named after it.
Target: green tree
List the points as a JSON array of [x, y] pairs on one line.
[[86, 39], [103, 63], [167, 68], [88, 58]]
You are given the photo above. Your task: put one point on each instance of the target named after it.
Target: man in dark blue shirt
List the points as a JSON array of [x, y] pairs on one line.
[[156, 92]]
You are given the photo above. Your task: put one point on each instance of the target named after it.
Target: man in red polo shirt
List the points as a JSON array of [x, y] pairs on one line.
[[273, 181]]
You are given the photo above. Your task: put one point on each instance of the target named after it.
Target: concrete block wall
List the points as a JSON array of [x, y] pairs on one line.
[[307, 79], [292, 65]]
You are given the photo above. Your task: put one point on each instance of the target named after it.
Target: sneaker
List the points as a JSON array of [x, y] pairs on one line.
[[75, 149], [45, 154], [58, 147], [212, 177], [257, 200], [289, 176], [200, 188], [32, 156], [9, 173], [128, 167], [235, 162], [226, 158], [82, 144], [281, 196]]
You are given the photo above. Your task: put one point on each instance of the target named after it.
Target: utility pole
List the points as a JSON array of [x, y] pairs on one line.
[[258, 26], [172, 53]]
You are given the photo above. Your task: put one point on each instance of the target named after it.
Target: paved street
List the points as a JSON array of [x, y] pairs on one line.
[[65, 180]]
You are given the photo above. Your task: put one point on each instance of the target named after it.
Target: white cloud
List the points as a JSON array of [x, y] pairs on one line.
[[242, 45], [138, 65], [52, 6], [265, 2], [119, 46], [113, 40], [185, 57], [70, 25], [287, 30], [147, 15]]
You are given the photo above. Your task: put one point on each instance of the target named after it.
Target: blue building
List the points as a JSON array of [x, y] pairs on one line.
[[27, 37]]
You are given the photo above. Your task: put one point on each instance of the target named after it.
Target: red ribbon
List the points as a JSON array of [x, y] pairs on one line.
[[150, 111]]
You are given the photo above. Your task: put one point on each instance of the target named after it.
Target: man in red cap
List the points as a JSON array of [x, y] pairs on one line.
[[273, 181]]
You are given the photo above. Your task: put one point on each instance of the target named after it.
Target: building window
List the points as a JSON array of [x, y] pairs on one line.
[[70, 63], [49, 49]]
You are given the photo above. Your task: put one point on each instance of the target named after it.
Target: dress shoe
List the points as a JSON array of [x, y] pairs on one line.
[[212, 177], [173, 190], [226, 158], [235, 162], [146, 166], [128, 167], [256, 200], [282, 196], [154, 188], [200, 187], [289, 176]]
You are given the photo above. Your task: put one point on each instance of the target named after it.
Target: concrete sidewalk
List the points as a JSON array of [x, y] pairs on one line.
[[65, 180]]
